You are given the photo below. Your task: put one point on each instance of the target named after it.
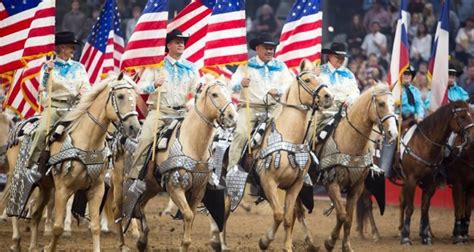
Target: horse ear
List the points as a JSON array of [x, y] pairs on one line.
[[120, 77], [306, 65]]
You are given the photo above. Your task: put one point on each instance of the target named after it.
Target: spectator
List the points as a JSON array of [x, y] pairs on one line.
[[416, 19], [453, 29], [421, 82], [421, 45], [465, 8], [176, 6], [266, 22], [416, 6], [375, 42], [465, 40], [467, 82], [356, 29], [132, 22], [90, 23], [74, 20], [429, 17], [377, 14]]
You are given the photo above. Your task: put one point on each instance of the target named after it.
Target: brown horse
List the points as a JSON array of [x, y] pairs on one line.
[[111, 100], [190, 144], [460, 171], [420, 160], [274, 161], [353, 151]]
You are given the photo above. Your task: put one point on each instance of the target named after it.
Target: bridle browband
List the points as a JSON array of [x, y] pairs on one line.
[[221, 110]]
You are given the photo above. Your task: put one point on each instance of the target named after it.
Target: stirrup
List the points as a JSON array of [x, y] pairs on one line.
[[130, 200]]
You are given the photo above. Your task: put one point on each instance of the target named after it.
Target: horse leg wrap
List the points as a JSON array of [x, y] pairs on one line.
[[465, 229], [425, 231], [457, 232], [130, 200]]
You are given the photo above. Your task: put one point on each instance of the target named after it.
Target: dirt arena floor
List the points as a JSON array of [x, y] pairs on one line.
[[245, 229]]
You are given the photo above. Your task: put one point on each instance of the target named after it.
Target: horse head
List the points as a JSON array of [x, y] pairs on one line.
[[310, 89], [121, 104], [462, 122], [381, 111], [214, 103]]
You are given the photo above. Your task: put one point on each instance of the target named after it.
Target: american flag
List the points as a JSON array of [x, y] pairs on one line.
[[226, 41], [104, 47], [23, 93], [438, 64], [193, 20], [26, 32], [302, 34], [400, 57], [146, 46]]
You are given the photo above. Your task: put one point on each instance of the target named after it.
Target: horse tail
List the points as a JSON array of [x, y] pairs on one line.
[[360, 212]]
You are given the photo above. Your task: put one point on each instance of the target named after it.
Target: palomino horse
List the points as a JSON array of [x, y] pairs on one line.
[[111, 100], [346, 156], [421, 157], [5, 125], [460, 167], [189, 145], [283, 158]]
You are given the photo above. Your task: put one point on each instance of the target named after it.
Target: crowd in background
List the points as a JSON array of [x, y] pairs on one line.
[[367, 27]]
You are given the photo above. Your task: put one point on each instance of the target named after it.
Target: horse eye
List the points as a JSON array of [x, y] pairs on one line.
[[120, 96], [307, 80], [381, 104], [215, 95]]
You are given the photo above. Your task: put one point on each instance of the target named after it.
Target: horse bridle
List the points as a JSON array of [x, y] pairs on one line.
[[314, 93], [455, 112], [221, 110], [380, 120], [113, 99]]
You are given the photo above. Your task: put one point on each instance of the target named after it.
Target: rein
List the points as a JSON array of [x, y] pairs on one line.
[[380, 120], [113, 99]]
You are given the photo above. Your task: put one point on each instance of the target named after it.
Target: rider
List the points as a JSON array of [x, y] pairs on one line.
[[261, 76], [341, 82], [176, 80], [455, 92], [69, 80], [412, 103]]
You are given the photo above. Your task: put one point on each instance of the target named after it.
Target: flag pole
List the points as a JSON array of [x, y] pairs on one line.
[[155, 130], [50, 90], [247, 110], [400, 117]]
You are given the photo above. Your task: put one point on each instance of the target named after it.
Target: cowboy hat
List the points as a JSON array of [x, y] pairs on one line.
[[265, 39], [452, 70], [65, 37], [175, 34], [336, 48], [410, 70]]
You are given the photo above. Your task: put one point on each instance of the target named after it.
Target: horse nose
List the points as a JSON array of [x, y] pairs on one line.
[[133, 131]]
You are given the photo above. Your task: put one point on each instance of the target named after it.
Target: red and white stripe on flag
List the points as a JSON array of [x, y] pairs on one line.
[[146, 46], [26, 31], [439, 61], [226, 41], [105, 44], [193, 21], [302, 34], [23, 93]]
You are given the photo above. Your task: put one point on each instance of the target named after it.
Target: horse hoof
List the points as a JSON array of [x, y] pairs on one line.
[[15, 248], [406, 241], [458, 240], [141, 246], [376, 238], [328, 246], [67, 234], [216, 246], [465, 238], [124, 248], [426, 241], [347, 249], [310, 246], [262, 245]]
